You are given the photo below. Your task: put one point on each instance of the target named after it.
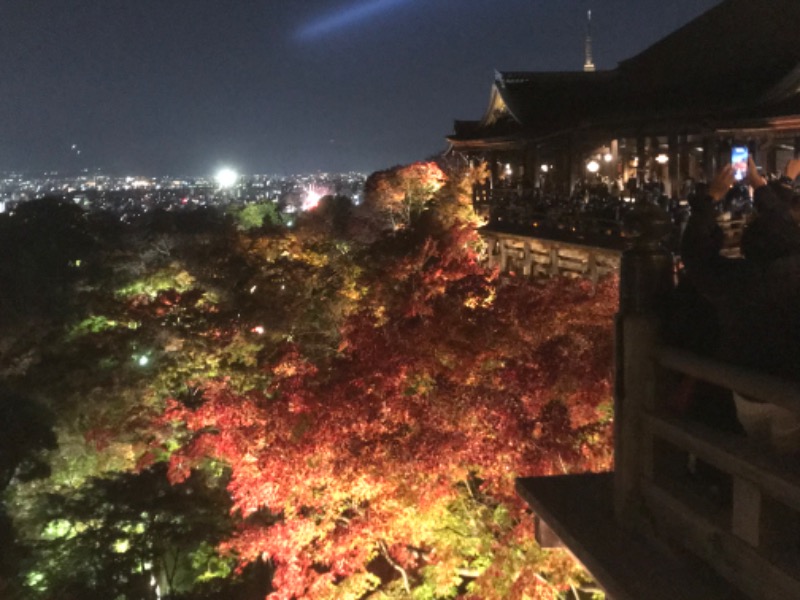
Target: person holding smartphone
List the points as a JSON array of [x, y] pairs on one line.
[[740, 156], [756, 298]]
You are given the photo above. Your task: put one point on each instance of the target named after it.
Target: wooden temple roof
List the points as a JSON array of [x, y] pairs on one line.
[[739, 61]]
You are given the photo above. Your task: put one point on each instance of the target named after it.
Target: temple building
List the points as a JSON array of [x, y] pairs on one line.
[[690, 511], [667, 115]]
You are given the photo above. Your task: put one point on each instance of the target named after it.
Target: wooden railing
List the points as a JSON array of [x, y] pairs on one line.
[[530, 256], [687, 498], [511, 211], [728, 499]]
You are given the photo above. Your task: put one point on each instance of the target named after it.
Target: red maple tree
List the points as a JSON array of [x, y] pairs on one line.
[[449, 382]]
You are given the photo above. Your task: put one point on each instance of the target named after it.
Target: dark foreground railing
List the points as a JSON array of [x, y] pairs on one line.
[[690, 511]]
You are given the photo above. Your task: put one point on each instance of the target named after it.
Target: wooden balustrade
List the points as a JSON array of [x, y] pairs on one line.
[[740, 511], [532, 257], [703, 514]]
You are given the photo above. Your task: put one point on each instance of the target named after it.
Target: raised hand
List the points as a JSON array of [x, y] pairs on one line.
[[721, 183]]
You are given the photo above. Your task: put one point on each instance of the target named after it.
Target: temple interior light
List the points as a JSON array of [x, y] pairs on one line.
[[593, 166], [608, 157], [662, 159]]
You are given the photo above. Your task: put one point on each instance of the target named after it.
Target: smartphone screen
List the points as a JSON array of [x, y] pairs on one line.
[[739, 156]]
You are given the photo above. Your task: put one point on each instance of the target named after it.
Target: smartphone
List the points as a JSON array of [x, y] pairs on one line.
[[739, 156]]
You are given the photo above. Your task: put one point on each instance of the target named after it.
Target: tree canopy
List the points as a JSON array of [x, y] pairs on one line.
[[341, 406]]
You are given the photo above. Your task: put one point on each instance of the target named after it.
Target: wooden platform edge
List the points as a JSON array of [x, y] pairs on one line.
[[579, 510]]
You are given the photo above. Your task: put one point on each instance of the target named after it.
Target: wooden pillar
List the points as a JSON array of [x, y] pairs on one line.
[[641, 155], [494, 176], [673, 166], [722, 154], [646, 280], [635, 338], [615, 159], [771, 156], [571, 159], [684, 167], [709, 157]]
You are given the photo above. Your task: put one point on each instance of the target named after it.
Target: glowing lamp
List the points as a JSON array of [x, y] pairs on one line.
[[593, 166], [608, 157], [226, 178], [545, 168], [662, 159]]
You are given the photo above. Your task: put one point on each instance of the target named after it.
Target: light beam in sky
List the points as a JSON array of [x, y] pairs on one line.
[[346, 16]]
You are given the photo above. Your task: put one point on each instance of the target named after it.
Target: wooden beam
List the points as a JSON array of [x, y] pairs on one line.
[[732, 558], [731, 454], [578, 509]]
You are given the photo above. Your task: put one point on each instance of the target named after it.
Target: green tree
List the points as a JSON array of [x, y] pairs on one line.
[[128, 535]]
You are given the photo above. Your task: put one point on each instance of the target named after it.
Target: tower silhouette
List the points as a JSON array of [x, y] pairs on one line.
[[588, 65]]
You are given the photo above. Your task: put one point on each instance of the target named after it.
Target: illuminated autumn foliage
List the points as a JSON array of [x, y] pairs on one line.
[[448, 384], [358, 390], [401, 193]]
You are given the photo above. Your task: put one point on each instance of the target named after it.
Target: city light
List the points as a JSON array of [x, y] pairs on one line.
[[312, 198], [593, 166], [129, 197], [608, 157], [226, 178], [662, 159]]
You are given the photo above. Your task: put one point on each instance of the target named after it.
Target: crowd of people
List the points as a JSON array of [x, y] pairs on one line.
[[748, 307], [595, 211], [755, 298], [579, 215]]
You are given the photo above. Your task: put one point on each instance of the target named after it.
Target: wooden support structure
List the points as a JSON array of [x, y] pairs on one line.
[[733, 535], [745, 528], [541, 257]]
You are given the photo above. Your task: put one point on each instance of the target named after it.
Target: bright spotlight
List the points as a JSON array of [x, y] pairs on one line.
[[311, 200], [608, 157], [593, 166], [226, 178]]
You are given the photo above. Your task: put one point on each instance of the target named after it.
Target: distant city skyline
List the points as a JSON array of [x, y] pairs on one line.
[[279, 86]]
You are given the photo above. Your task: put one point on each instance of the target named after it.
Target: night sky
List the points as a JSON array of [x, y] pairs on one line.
[[177, 87]]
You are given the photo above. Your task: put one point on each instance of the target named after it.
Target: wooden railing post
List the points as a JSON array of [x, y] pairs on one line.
[[554, 262], [527, 259], [646, 280], [746, 517], [503, 255]]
